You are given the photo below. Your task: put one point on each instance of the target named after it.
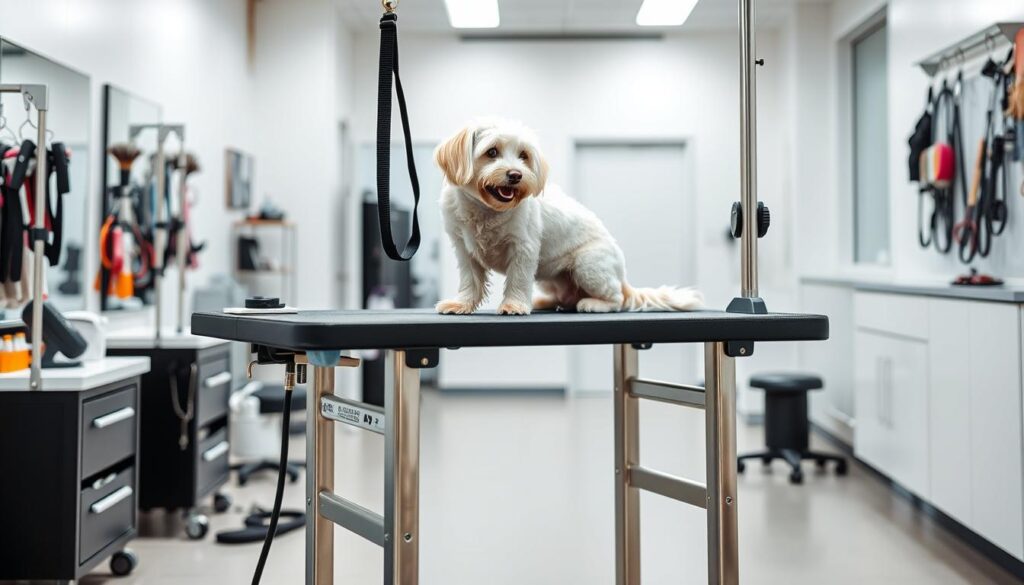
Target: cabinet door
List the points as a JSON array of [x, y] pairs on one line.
[[995, 406], [949, 408], [892, 407]]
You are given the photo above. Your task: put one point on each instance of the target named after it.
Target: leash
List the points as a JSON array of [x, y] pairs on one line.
[[388, 71]]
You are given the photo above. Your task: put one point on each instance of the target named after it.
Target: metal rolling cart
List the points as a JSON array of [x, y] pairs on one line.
[[184, 397], [412, 339], [70, 501]]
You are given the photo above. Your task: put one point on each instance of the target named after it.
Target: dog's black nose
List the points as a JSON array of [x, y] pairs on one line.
[[514, 177]]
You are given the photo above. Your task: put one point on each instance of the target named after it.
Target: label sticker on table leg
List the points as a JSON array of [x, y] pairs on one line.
[[341, 410]]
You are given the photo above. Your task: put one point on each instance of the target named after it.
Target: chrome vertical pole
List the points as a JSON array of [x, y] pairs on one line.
[[627, 455], [319, 478], [720, 411], [159, 231], [748, 151], [182, 242], [38, 250], [401, 471]]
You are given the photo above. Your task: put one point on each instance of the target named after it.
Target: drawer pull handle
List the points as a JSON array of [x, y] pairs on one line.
[[115, 417], [217, 380], [101, 506], [216, 451]]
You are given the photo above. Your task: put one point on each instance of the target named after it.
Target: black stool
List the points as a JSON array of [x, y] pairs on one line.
[[272, 402], [786, 429]]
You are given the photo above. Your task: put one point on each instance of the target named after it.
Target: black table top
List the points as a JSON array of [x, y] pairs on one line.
[[423, 328]]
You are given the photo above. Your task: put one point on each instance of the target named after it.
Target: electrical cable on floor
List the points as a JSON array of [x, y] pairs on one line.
[[282, 472]]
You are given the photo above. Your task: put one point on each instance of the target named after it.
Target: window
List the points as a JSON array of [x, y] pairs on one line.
[[870, 148]]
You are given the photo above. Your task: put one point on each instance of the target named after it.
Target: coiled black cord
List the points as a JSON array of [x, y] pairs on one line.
[[282, 472]]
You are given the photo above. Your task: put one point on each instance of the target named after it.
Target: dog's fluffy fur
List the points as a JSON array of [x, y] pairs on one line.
[[502, 215]]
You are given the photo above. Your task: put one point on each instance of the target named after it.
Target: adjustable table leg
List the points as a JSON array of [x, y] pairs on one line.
[[401, 471], [627, 456], [720, 409], [319, 478]]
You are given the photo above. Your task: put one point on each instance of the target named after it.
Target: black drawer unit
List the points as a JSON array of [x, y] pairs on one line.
[[68, 493], [174, 473]]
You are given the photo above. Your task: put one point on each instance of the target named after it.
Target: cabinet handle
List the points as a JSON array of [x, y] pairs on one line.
[[880, 389], [888, 392], [102, 505], [115, 417], [216, 451], [217, 380]]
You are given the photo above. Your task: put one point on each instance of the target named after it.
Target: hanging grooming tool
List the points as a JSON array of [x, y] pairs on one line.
[[388, 71], [920, 139], [12, 243], [966, 232], [939, 177], [1016, 106]]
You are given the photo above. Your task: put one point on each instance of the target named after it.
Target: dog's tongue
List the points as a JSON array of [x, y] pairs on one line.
[[506, 192]]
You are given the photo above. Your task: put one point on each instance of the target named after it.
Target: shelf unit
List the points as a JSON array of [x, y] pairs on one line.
[[268, 280]]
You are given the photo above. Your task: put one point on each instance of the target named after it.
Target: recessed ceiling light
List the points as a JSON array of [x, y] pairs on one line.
[[664, 12], [473, 13]]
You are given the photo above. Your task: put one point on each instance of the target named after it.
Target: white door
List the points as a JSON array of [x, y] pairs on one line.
[[644, 193]]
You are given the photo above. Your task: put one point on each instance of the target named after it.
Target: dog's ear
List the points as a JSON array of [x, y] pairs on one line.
[[455, 157], [542, 172]]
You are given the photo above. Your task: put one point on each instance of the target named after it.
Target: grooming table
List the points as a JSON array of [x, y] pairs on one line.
[[412, 339]]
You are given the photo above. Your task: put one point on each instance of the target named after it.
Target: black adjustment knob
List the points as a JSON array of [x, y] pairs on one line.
[[263, 303], [736, 221], [764, 219]]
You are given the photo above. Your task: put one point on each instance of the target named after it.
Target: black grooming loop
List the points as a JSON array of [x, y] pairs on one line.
[[388, 71]]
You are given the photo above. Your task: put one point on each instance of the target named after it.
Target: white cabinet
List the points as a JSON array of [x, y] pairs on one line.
[[892, 406], [997, 494], [832, 407], [949, 408]]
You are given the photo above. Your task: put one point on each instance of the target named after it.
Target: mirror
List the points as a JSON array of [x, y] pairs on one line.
[[68, 117], [122, 111]]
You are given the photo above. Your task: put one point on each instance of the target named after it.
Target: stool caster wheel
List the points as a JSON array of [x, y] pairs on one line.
[[123, 562], [221, 503], [820, 463], [741, 467], [841, 468], [797, 477], [766, 460], [196, 526]]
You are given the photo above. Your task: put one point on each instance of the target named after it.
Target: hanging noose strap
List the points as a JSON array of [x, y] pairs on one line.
[[389, 70]]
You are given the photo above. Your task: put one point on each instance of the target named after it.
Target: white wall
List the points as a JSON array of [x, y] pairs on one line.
[[681, 88], [190, 55]]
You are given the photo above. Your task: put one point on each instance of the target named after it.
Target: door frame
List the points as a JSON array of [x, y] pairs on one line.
[[574, 358]]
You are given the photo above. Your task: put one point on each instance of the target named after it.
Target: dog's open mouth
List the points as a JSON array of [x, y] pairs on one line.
[[504, 194]]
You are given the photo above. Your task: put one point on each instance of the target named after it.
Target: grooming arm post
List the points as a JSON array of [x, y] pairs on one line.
[[748, 152], [182, 242]]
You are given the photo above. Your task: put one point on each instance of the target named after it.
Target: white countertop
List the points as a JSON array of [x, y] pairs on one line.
[[85, 377], [1006, 293], [143, 338]]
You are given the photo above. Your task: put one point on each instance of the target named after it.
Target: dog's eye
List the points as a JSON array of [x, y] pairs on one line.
[[493, 153], [524, 155]]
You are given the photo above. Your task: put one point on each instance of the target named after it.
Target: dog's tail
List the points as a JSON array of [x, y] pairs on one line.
[[665, 298]]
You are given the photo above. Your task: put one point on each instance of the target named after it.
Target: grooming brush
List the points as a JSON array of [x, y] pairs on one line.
[[191, 163], [125, 153]]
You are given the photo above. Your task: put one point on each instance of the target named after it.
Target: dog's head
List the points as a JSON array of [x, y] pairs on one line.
[[495, 161]]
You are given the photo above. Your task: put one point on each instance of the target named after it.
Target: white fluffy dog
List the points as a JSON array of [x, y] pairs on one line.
[[502, 215]]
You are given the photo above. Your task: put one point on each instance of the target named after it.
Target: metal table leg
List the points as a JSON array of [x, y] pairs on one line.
[[319, 478], [627, 456], [720, 410], [718, 400], [401, 471]]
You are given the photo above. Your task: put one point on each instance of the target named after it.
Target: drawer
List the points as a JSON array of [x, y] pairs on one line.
[[214, 390], [212, 462], [109, 425], [904, 315], [107, 512]]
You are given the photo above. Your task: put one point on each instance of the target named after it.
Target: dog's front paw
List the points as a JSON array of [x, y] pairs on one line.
[[454, 307], [514, 308]]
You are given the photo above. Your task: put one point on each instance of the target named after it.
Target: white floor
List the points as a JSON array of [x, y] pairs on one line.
[[517, 490]]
